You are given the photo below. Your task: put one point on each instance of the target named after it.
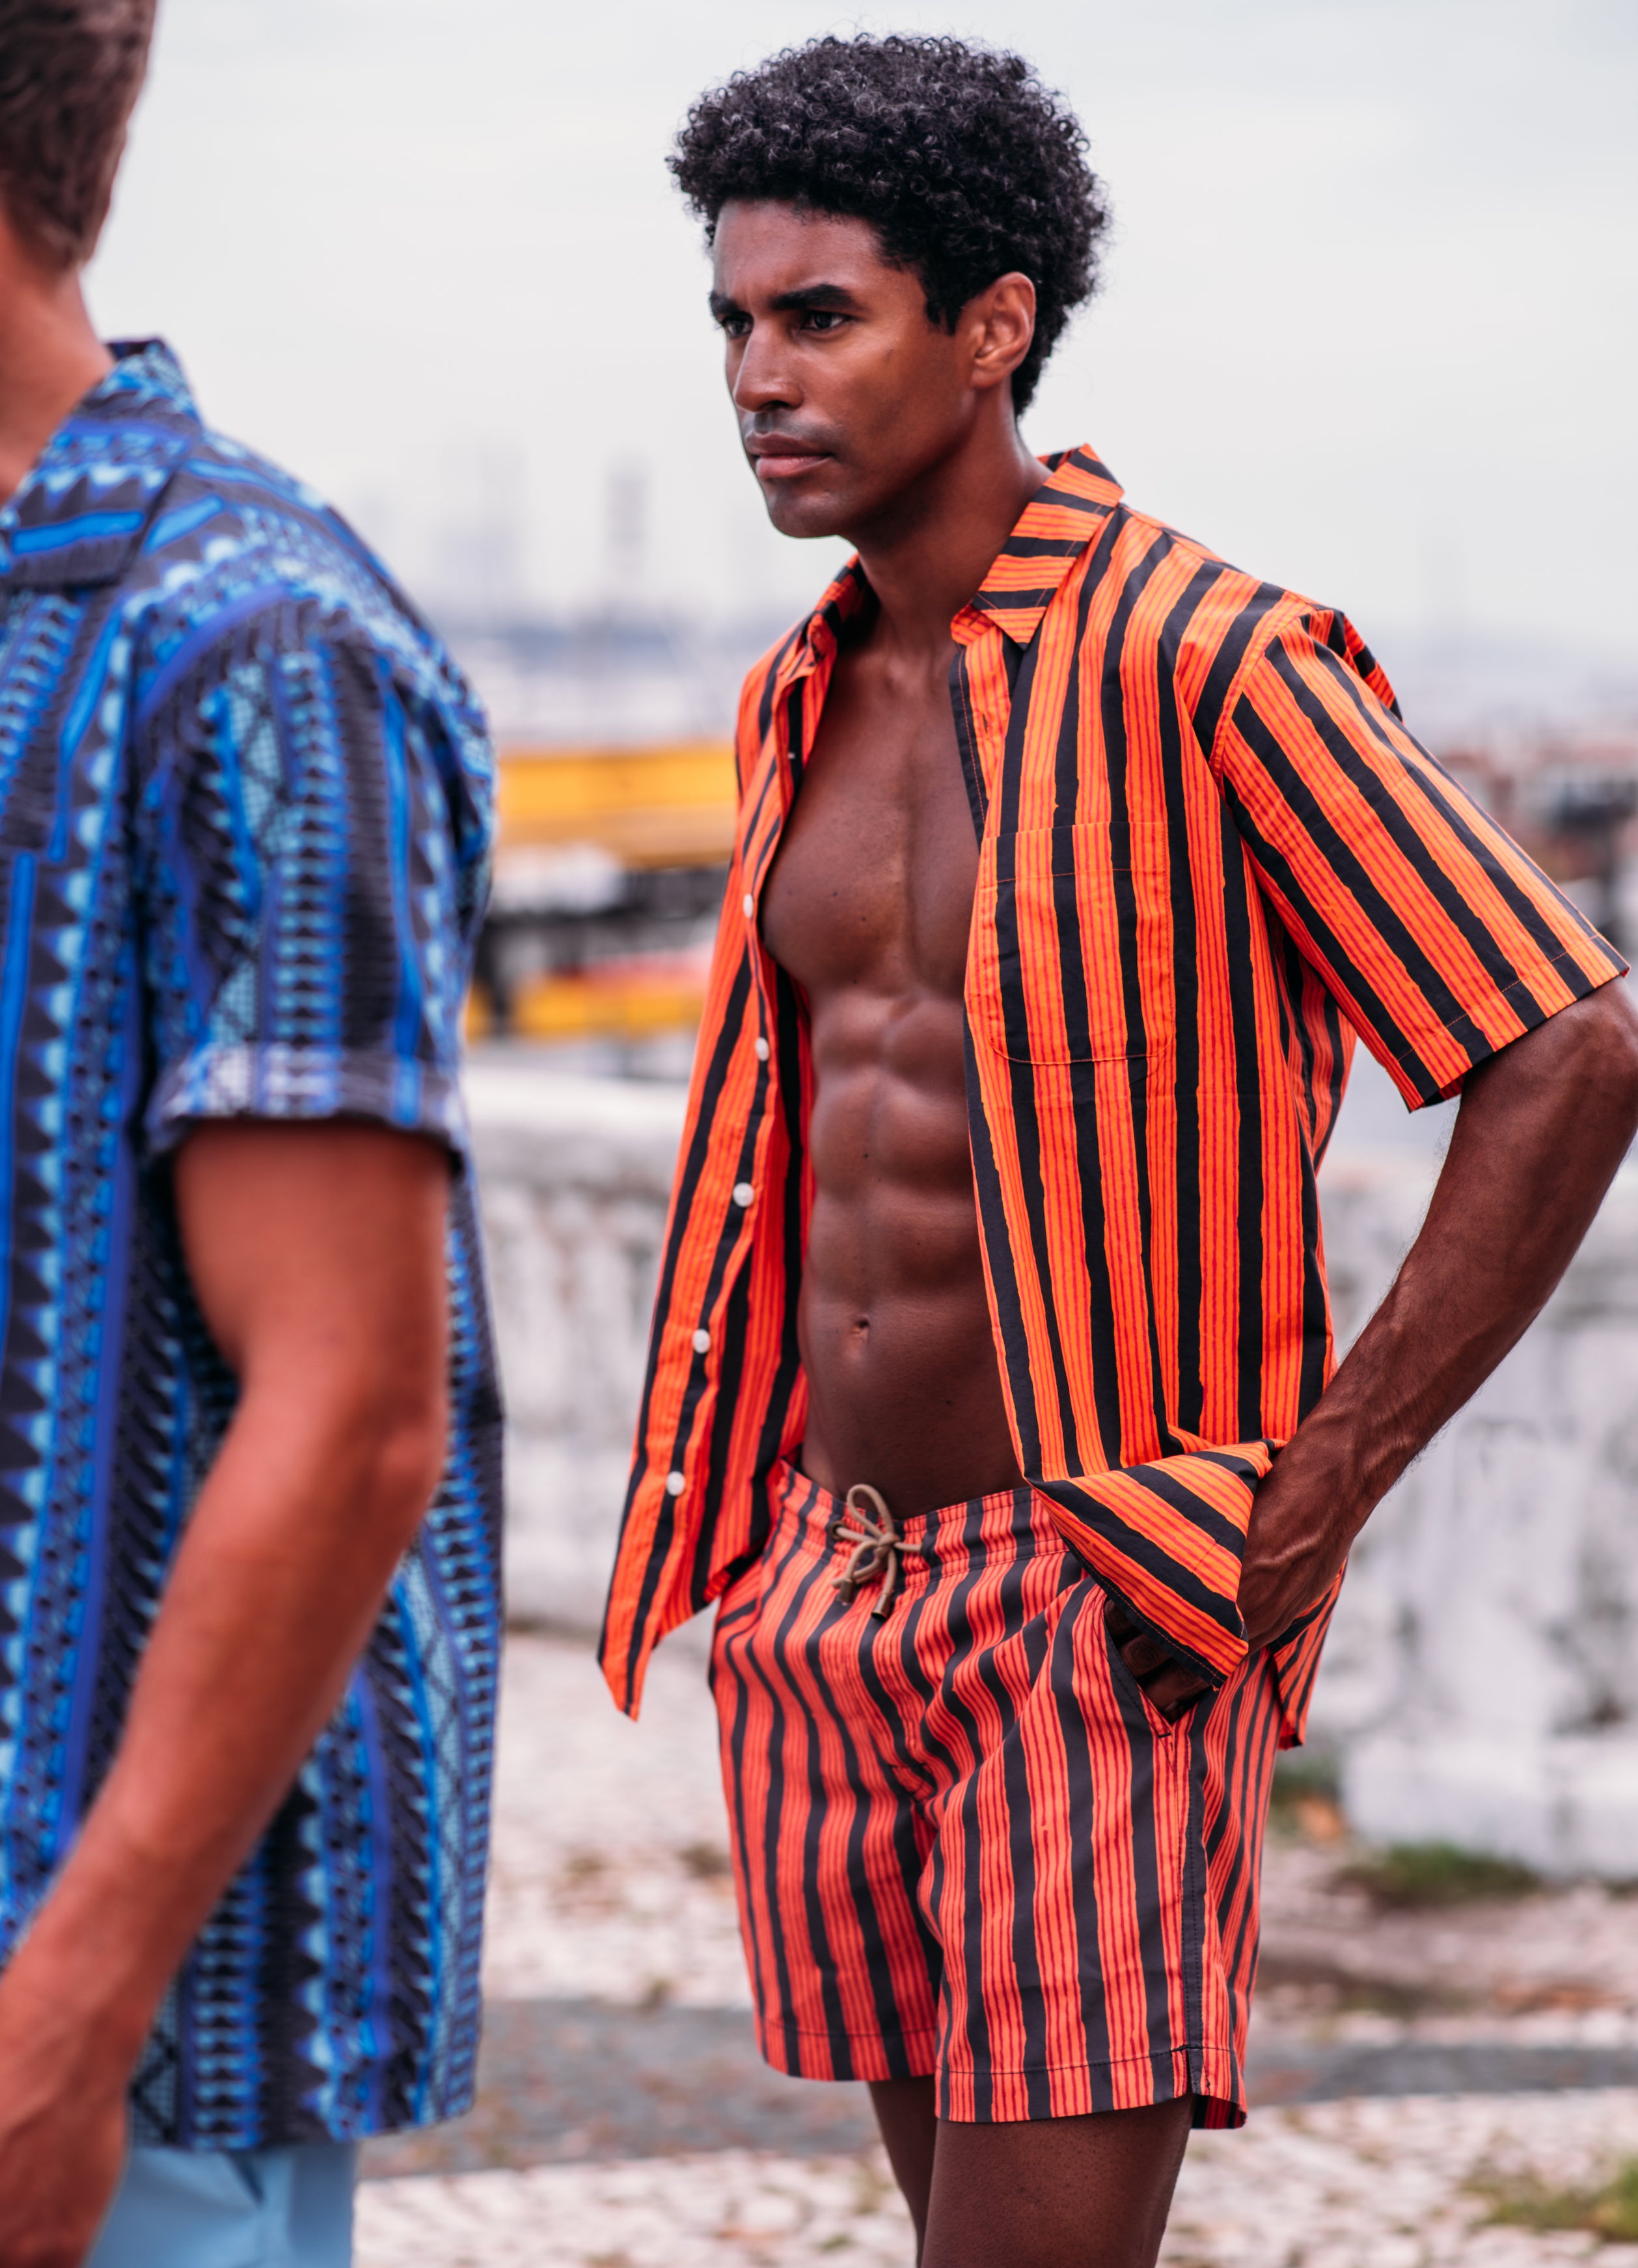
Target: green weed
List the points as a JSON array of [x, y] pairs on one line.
[[1306, 1798], [1527, 2202], [1410, 1875]]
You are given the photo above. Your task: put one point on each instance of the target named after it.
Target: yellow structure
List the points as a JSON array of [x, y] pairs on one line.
[[669, 805], [622, 1000]]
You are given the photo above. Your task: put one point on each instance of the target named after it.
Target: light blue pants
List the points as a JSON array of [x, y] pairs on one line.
[[232, 2209]]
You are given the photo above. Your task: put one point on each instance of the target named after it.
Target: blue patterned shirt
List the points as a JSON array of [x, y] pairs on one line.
[[244, 819]]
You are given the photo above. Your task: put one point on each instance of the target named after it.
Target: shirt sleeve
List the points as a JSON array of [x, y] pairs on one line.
[[1439, 940], [312, 846]]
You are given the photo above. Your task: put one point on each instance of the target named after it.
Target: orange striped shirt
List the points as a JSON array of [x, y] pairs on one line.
[[1210, 856]]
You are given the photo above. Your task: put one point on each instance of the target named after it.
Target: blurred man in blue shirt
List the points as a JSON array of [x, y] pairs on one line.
[[248, 1425]]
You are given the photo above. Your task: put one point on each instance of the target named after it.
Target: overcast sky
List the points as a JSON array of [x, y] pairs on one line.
[[1370, 326]]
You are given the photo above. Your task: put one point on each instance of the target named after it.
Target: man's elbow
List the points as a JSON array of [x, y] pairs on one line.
[[401, 1441], [1609, 1052]]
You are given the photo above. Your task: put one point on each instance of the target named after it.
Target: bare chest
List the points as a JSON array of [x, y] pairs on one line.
[[874, 882]]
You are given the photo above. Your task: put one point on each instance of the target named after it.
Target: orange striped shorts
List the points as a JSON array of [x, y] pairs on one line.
[[965, 1843]]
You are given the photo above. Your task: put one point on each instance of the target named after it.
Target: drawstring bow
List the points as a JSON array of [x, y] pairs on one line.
[[876, 1547]]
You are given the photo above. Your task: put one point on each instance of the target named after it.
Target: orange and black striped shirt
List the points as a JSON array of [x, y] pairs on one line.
[[1210, 856]]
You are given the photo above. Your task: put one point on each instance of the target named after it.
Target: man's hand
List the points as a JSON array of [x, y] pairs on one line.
[[1542, 1127], [317, 1255], [61, 2121], [1169, 1684]]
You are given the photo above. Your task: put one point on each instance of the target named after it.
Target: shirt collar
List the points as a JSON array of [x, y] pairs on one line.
[[85, 503], [823, 627], [1059, 522]]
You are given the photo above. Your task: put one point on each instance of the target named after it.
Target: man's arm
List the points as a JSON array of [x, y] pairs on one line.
[[1542, 1127], [317, 1254]]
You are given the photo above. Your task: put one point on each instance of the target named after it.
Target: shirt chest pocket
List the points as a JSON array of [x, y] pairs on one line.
[[38, 633], [1073, 942]]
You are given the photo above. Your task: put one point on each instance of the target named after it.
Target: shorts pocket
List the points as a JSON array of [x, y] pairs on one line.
[[739, 1607], [737, 1612], [250, 2172], [1126, 1686], [743, 1599]]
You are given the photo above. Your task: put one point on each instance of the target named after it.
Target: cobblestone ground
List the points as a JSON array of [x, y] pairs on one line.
[[1338, 2185], [1385, 2184], [609, 1876], [733, 2206], [611, 1894]]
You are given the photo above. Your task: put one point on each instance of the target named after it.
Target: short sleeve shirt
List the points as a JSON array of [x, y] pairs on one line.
[[1211, 857], [245, 806]]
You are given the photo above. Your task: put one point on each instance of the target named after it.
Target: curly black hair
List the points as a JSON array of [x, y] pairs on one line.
[[963, 163]]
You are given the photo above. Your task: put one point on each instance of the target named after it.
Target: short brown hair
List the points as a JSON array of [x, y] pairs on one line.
[[70, 72]]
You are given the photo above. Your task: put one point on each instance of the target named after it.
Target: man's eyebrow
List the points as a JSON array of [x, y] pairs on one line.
[[832, 298], [824, 299]]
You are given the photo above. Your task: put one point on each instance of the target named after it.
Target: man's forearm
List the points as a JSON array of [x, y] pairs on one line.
[[1541, 1130], [277, 1581]]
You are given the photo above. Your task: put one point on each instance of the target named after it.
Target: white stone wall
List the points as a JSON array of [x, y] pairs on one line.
[[575, 1175], [1481, 1681]]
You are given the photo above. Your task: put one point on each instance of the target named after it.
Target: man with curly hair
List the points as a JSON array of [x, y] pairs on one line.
[[991, 1391], [249, 1483]]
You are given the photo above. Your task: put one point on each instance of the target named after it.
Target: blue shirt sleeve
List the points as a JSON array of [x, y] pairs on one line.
[[311, 836]]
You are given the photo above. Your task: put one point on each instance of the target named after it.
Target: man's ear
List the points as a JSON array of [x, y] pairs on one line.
[[1001, 320]]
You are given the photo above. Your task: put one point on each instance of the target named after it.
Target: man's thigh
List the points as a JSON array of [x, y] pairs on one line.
[[1085, 2192], [232, 2209]]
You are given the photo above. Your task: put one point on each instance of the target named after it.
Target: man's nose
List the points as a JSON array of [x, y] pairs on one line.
[[765, 380]]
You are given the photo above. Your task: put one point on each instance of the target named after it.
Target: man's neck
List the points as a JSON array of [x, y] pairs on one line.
[[930, 555], [49, 354]]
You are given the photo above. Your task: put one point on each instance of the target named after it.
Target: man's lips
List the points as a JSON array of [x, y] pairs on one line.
[[776, 457]]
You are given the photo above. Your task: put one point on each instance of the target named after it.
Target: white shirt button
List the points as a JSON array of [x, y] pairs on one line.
[[762, 1050], [743, 1193], [751, 905], [702, 1342], [674, 1484]]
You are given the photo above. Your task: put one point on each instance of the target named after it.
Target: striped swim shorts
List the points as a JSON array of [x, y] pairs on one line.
[[965, 1843]]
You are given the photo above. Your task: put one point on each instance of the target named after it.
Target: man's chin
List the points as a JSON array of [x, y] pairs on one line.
[[804, 518]]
